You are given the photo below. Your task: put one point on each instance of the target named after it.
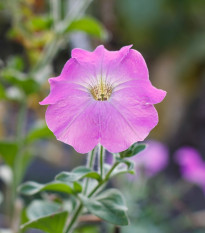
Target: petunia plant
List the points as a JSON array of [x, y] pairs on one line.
[[102, 100]]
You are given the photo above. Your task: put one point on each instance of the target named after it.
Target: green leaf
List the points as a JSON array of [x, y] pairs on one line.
[[77, 187], [130, 167], [19, 79], [40, 208], [39, 133], [40, 23], [121, 171], [109, 206], [24, 217], [89, 25], [50, 224], [133, 150], [31, 188], [130, 164], [78, 174], [8, 151], [2, 92]]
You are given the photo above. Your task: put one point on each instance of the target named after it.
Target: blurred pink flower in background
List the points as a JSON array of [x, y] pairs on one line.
[[153, 159], [191, 165], [102, 97]]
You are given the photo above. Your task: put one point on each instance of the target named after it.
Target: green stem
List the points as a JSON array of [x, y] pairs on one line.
[[80, 207], [104, 180], [91, 158], [17, 168], [48, 54], [19, 138], [101, 161], [74, 219], [55, 8]]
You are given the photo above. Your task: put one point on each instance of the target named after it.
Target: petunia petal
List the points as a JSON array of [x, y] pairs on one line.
[[75, 72], [122, 125], [139, 90], [131, 67], [75, 122], [73, 77], [101, 58], [62, 89]]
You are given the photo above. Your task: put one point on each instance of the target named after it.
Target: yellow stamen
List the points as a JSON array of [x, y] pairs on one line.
[[101, 91]]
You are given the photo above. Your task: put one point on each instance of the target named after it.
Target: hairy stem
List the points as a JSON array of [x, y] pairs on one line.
[[80, 207], [104, 180], [91, 158], [101, 160], [74, 219]]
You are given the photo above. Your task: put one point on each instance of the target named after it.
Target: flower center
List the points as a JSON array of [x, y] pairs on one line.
[[101, 91]]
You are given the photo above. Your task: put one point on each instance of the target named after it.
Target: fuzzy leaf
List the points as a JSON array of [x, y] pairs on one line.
[[50, 223], [133, 150], [31, 188], [78, 174], [77, 187], [130, 165], [109, 206], [40, 208]]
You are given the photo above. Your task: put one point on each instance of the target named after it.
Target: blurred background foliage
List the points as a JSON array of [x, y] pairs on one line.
[[36, 37]]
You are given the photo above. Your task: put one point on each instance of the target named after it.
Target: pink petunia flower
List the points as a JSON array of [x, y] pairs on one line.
[[102, 97], [153, 159], [192, 166]]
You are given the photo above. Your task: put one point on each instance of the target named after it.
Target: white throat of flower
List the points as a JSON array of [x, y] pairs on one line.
[[101, 91]]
